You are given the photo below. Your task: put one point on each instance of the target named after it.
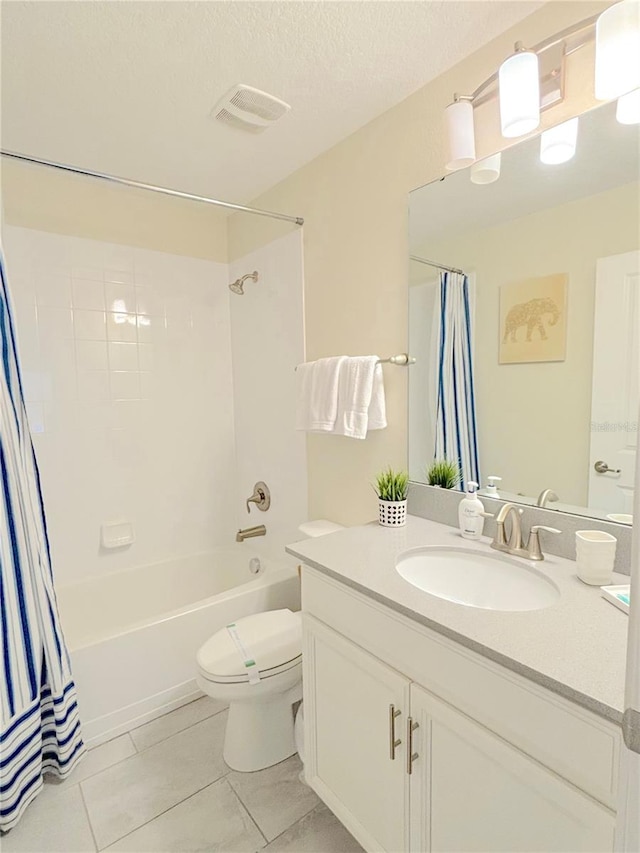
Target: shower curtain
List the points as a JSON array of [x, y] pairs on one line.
[[456, 438], [40, 728], [628, 824]]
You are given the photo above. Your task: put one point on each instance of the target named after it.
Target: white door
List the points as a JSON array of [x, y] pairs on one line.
[[616, 380], [349, 697], [472, 791]]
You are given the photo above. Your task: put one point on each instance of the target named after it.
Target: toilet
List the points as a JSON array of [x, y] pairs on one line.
[[255, 665]]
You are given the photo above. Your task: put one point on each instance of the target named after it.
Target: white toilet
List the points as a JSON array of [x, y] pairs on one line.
[[256, 666]]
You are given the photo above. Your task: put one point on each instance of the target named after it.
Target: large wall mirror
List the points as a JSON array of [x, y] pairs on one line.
[[551, 259]]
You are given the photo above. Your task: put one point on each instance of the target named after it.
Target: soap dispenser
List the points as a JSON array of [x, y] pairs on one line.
[[471, 513], [491, 490]]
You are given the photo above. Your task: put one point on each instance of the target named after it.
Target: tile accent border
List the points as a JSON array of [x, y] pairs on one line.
[[441, 505]]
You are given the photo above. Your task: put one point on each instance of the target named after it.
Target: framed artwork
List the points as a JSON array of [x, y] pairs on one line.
[[533, 320]]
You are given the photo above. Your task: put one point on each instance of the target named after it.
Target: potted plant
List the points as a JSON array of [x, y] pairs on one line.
[[391, 487], [444, 473]]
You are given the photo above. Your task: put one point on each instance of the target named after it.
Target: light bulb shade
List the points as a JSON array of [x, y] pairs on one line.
[[628, 108], [618, 50], [519, 85], [558, 144], [461, 143], [486, 171]]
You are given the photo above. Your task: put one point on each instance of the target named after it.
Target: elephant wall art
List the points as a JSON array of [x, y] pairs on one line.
[[533, 320]]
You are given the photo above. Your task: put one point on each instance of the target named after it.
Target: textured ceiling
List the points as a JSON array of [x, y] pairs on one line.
[[127, 87]]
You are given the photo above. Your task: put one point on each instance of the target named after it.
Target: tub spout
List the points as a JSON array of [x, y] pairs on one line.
[[249, 532]]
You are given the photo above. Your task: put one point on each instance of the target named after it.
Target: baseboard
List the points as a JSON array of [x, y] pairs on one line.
[[105, 728]]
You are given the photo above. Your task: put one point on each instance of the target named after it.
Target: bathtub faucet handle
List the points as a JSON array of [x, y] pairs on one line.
[[261, 497]]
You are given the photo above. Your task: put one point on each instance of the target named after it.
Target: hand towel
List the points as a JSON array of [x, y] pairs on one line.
[[356, 394], [317, 404], [377, 407]]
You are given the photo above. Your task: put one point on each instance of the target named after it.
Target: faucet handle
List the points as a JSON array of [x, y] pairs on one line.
[[261, 497], [533, 546]]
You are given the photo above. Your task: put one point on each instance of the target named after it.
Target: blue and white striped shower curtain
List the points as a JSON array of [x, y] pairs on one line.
[[456, 437], [40, 728]]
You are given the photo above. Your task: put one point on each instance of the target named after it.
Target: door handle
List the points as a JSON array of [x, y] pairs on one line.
[[602, 468], [411, 755], [393, 741]]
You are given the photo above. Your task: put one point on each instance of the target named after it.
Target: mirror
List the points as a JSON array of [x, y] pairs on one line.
[[552, 257]]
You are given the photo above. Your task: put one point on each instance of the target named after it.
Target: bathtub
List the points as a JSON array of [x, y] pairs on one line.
[[133, 634]]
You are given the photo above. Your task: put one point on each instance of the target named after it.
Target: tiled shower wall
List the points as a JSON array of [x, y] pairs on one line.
[[126, 359]]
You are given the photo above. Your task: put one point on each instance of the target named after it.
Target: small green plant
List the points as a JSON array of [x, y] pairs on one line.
[[444, 473], [392, 485]]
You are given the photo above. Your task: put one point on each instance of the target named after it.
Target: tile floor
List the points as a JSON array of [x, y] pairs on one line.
[[165, 787]]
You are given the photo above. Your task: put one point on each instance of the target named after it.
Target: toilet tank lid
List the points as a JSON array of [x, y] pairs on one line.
[[319, 527], [270, 639]]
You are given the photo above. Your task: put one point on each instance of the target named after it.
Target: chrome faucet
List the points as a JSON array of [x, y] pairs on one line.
[[514, 545], [250, 532], [546, 497]]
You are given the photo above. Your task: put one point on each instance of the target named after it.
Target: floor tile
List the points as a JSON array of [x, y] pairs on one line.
[[212, 819], [176, 721], [275, 798], [319, 832], [55, 822], [136, 790], [103, 756]]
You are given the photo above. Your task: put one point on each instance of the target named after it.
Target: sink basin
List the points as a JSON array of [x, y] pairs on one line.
[[489, 581]]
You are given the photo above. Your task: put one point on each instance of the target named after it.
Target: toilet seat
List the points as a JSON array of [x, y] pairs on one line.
[[272, 639]]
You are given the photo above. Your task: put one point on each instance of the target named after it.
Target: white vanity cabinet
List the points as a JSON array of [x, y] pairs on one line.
[[358, 707], [499, 763]]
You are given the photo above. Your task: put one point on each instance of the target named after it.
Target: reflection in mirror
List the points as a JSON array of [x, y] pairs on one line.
[[524, 306]]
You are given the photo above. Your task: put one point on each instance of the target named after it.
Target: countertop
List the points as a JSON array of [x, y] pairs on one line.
[[576, 647]]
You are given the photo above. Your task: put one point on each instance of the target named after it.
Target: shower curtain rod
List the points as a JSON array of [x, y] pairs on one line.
[[434, 264], [298, 220]]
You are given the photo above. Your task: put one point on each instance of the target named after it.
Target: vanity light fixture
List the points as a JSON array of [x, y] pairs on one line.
[[486, 171], [519, 88], [558, 144], [460, 133], [628, 108], [532, 79], [618, 50]]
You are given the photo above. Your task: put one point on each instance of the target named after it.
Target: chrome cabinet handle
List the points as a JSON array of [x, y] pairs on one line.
[[393, 741], [411, 755], [602, 468]]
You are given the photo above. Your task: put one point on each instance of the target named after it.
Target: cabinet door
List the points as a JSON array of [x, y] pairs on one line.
[[472, 791], [347, 699]]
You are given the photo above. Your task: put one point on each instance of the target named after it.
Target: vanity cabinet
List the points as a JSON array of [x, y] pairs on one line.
[[359, 712], [418, 744]]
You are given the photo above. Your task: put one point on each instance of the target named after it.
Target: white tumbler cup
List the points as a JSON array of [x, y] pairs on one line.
[[595, 556]]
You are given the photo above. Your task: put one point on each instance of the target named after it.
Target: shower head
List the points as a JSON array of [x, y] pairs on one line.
[[238, 285]]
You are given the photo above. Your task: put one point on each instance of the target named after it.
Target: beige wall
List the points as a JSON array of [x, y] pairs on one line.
[[534, 419], [46, 200], [354, 200]]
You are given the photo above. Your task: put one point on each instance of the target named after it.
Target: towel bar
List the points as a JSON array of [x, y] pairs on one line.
[[403, 359]]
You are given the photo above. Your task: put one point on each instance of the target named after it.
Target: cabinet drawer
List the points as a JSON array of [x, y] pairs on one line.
[[576, 744]]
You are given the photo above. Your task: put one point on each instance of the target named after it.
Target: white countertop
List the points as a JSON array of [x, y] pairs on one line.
[[576, 647]]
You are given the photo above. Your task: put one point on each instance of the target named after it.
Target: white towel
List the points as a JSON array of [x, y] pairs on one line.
[[361, 403], [377, 407], [317, 383]]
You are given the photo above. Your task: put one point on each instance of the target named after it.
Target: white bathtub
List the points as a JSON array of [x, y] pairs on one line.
[[133, 634]]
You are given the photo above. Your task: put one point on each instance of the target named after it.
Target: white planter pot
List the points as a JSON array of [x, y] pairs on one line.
[[392, 513]]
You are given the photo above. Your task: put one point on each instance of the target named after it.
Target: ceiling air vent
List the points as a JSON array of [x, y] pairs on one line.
[[249, 109]]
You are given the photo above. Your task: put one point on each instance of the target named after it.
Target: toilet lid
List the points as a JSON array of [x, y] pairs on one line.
[[272, 639]]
